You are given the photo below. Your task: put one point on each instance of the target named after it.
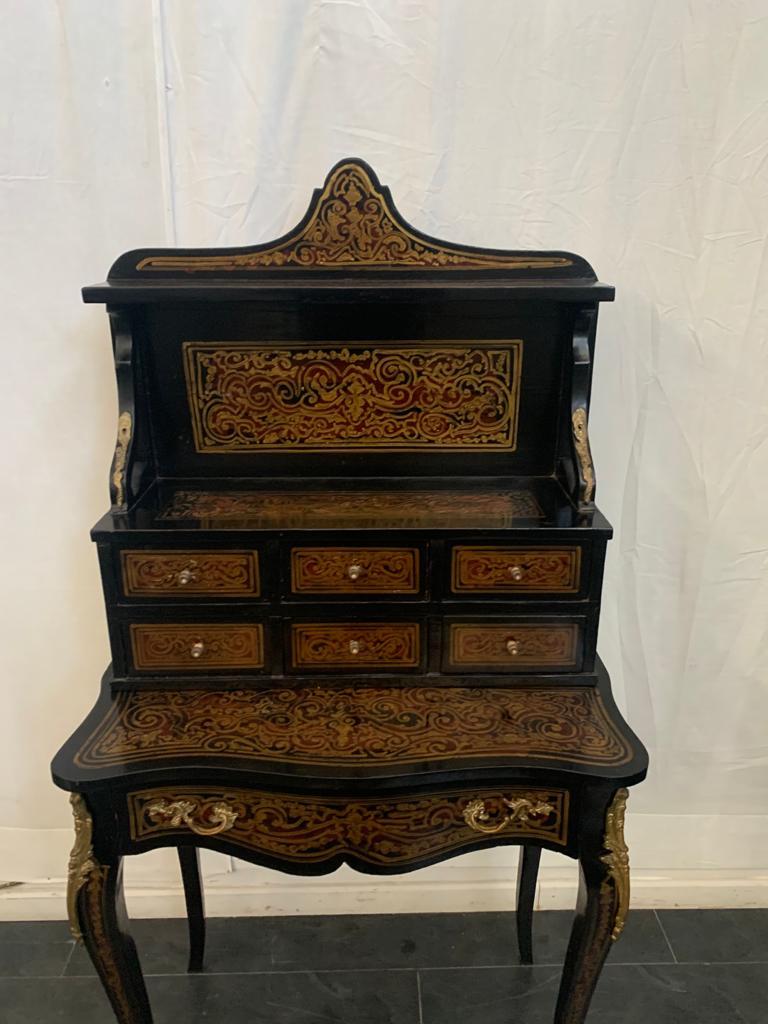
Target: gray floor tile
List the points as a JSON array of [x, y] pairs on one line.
[[233, 944], [54, 1001], [367, 997], [708, 936], [34, 949], [668, 994]]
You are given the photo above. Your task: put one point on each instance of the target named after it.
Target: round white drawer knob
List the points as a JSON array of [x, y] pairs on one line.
[[516, 572], [355, 646], [355, 571], [197, 649], [513, 647]]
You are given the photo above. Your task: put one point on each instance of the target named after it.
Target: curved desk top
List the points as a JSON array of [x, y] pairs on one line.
[[361, 733]]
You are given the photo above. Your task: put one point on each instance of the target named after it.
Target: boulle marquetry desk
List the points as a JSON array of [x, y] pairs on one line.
[[352, 573]]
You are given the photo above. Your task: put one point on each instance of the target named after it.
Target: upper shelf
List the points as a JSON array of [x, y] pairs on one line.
[[351, 238]]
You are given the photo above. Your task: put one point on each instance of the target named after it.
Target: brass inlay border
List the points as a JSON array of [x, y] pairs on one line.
[[355, 645], [381, 830], [196, 646], [357, 726], [513, 645], [353, 224], [405, 396], [485, 567], [173, 573], [368, 570]]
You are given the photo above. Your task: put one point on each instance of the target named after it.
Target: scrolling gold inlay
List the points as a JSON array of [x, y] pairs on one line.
[[355, 645], [382, 830], [352, 224], [513, 644], [354, 570], [354, 509], [171, 573], [245, 397], [516, 569], [196, 647], [357, 726]]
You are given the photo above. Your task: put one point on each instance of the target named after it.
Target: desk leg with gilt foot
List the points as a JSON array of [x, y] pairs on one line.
[[600, 914], [98, 917]]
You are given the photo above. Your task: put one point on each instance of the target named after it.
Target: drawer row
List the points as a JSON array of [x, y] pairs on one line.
[[377, 570], [283, 645]]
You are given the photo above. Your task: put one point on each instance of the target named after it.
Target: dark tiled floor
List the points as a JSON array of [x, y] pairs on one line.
[[691, 966]]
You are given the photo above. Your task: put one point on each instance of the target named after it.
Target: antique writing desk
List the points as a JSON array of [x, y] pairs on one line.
[[352, 573]]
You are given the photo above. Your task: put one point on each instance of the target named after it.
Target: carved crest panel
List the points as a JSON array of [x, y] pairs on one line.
[[457, 396]]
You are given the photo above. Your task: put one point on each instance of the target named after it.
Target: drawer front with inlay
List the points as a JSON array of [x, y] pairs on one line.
[[202, 573], [485, 569], [368, 646], [196, 647], [346, 570], [512, 646], [386, 830]]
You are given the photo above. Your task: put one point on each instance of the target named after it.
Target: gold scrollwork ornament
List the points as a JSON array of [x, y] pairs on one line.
[[182, 812], [81, 861], [583, 452], [124, 430], [617, 859], [519, 811]]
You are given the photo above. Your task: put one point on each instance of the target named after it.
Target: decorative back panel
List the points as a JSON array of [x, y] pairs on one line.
[[456, 396], [351, 222]]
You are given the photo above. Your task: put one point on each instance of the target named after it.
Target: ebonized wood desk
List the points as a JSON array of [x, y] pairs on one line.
[[352, 573]]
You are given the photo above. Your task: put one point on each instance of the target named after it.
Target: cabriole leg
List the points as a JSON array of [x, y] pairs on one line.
[[189, 859], [527, 873], [600, 914], [97, 916]]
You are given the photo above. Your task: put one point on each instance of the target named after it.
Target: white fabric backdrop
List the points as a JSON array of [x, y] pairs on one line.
[[636, 134]]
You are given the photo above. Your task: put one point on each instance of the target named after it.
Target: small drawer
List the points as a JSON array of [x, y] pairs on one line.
[[355, 646], [512, 646], [386, 830], [197, 647], [485, 569], [374, 570], [176, 573]]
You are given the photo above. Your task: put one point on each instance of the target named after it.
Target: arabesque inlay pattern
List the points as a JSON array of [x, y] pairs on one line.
[[355, 645], [246, 397], [196, 646], [553, 570], [354, 509], [354, 570], [382, 830], [358, 726], [162, 573], [353, 224], [513, 645]]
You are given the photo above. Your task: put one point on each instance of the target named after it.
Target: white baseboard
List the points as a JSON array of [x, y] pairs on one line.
[[244, 893]]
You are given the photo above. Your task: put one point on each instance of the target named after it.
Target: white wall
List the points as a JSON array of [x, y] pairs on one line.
[[636, 134]]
